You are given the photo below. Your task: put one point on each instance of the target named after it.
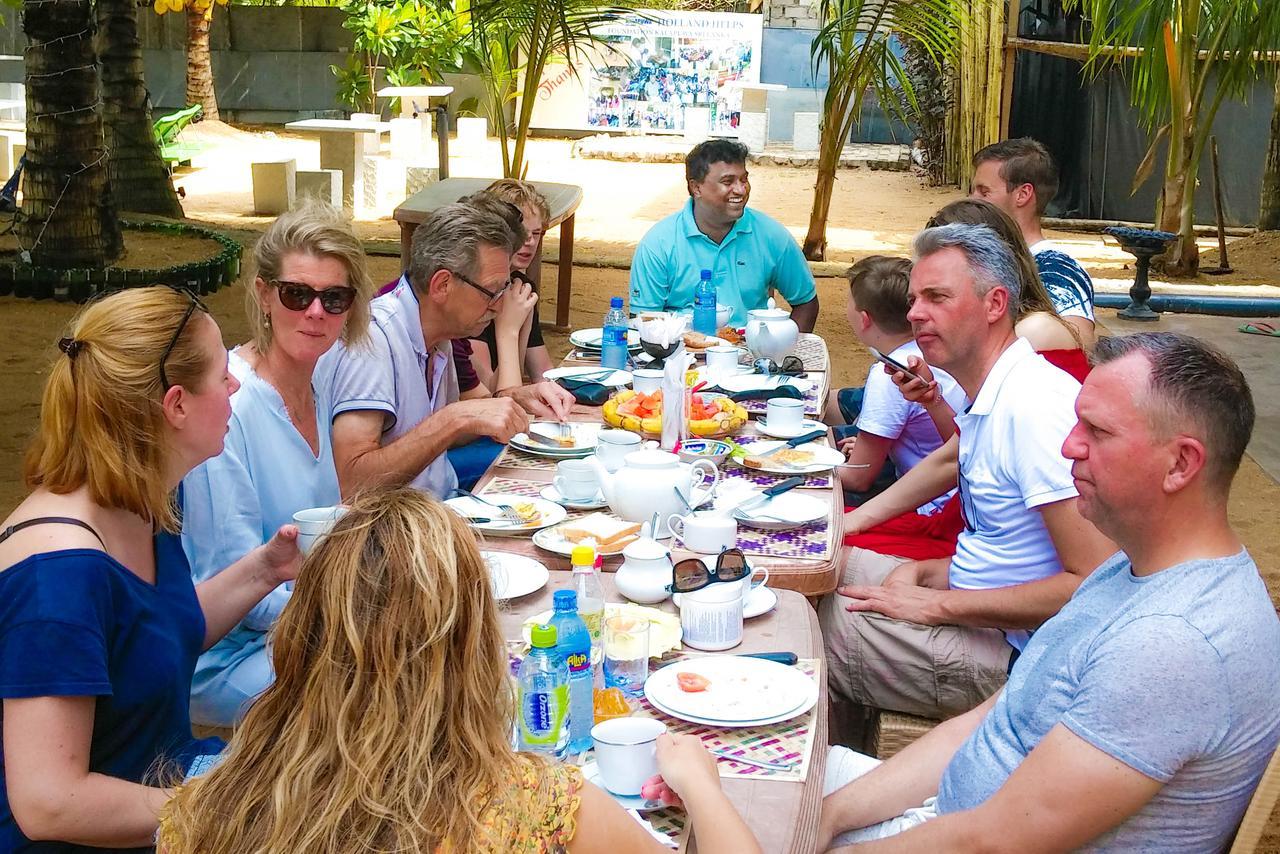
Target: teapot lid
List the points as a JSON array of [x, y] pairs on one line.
[[770, 313], [645, 548], [651, 458]]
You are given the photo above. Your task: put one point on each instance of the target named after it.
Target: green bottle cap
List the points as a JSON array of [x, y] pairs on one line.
[[543, 636]]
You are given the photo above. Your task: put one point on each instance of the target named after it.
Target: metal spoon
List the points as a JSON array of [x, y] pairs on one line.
[[683, 500]]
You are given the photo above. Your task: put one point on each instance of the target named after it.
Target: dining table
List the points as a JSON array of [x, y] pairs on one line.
[[805, 559], [781, 809]]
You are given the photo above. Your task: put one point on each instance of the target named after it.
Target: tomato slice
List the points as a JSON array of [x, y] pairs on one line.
[[692, 683]]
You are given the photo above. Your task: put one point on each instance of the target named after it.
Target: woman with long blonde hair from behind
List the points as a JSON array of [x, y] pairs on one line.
[[388, 725]]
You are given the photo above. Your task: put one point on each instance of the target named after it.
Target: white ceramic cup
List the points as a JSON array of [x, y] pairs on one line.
[[705, 532], [612, 447], [722, 361], [314, 523], [576, 480], [646, 380], [627, 752], [724, 313], [784, 415], [711, 618]]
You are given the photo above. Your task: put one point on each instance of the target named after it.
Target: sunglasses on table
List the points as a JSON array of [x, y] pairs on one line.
[[296, 296], [177, 333], [791, 365], [692, 574], [493, 296]]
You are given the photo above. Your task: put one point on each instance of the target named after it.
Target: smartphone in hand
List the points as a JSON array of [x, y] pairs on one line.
[[897, 366]]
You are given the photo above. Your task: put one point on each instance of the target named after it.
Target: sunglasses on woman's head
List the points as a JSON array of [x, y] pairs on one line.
[[177, 333], [296, 296], [692, 574]]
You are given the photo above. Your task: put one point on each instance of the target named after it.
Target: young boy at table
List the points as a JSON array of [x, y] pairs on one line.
[[889, 427]]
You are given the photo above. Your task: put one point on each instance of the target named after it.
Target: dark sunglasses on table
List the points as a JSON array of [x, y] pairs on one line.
[[692, 574], [177, 333], [790, 365], [296, 296], [493, 296]]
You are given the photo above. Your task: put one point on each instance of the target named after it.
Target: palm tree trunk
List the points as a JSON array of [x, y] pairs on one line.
[[1269, 216], [135, 160], [69, 214], [199, 63], [830, 146], [1177, 206]]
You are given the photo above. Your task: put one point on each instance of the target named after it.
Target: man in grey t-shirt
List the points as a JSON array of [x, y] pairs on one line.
[[1141, 717]]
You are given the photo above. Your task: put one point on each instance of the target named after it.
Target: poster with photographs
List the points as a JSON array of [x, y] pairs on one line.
[[651, 69]]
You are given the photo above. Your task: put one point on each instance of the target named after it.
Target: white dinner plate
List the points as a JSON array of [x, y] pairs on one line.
[[742, 691], [787, 510], [753, 381], [591, 773], [552, 494], [802, 708], [806, 427], [585, 438], [824, 458], [549, 513], [761, 600], [551, 540], [589, 339], [514, 575], [617, 379]]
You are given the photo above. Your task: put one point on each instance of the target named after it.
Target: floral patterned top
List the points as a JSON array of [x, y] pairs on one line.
[[540, 812]]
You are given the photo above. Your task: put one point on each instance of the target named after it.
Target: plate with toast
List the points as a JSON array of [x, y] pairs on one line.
[[560, 441], [609, 534], [529, 514], [772, 457]]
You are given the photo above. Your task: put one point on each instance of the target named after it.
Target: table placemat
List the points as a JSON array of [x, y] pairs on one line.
[[516, 459], [807, 541], [733, 471], [789, 741], [813, 403], [812, 351], [525, 487]]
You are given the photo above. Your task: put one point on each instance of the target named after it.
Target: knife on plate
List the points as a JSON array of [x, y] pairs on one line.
[[787, 658], [544, 440], [771, 493]]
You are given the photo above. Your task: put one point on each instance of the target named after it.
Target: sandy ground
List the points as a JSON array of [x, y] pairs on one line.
[[872, 212]]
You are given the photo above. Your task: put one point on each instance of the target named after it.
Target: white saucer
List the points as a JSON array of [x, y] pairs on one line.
[[805, 427], [591, 773], [761, 600], [552, 494]]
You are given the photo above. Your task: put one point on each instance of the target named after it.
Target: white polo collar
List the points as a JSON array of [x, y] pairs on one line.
[[985, 400]]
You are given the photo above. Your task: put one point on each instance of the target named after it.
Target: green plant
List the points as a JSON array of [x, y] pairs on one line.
[[409, 42], [1184, 58], [512, 41], [857, 42]]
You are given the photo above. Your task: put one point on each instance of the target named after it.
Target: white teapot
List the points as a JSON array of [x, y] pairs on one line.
[[645, 572], [647, 484], [771, 333]]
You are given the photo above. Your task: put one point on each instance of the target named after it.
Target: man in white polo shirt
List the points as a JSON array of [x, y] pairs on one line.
[[936, 637], [395, 404]]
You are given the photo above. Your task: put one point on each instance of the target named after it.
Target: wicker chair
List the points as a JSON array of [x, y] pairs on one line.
[[892, 731], [1258, 815]]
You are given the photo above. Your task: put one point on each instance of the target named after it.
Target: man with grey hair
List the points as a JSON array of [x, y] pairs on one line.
[[1142, 716], [396, 405], [936, 637]]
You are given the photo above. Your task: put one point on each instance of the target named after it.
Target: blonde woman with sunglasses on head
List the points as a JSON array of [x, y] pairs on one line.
[[100, 625], [311, 289], [388, 727]]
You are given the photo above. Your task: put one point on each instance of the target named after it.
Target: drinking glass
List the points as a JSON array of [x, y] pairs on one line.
[[626, 654]]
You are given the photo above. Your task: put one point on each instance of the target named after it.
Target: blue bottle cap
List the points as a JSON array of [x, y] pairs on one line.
[[565, 600], [615, 302], [706, 274]]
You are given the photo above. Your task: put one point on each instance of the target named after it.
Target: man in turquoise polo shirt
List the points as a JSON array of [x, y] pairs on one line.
[[750, 255]]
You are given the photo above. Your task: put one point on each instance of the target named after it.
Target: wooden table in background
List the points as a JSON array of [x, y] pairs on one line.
[[563, 199], [783, 815]]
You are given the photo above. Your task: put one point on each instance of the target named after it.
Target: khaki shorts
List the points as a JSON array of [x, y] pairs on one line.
[[882, 663]]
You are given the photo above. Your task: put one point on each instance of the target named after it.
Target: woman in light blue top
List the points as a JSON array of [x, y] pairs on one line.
[[310, 289]]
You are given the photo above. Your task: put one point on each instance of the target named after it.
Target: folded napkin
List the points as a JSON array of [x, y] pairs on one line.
[[768, 393]]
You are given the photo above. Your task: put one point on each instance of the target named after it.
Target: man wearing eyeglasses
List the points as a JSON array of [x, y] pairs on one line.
[[936, 637], [397, 407]]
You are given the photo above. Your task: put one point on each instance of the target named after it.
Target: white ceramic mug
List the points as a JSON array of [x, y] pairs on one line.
[[784, 415], [576, 480], [314, 523], [722, 361], [646, 380], [627, 752], [612, 447], [708, 533]]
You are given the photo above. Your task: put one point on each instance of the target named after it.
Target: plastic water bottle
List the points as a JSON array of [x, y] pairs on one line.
[[586, 583], [613, 343], [573, 644], [704, 305], [544, 696]]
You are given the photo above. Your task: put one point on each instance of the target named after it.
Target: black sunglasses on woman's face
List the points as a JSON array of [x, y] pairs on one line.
[[296, 296]]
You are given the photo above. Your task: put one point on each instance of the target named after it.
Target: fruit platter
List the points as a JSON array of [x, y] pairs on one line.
[[710, 415]]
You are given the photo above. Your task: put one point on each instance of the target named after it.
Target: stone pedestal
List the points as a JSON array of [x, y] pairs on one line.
[[346, 152], [324, 185], [417, 177], [384, 183], [408, 143], [806, 134], [472, 132], [697, 123], [753, 130], [273, 186]]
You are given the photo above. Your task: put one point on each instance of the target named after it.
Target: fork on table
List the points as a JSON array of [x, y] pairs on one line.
[[508, 512]]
